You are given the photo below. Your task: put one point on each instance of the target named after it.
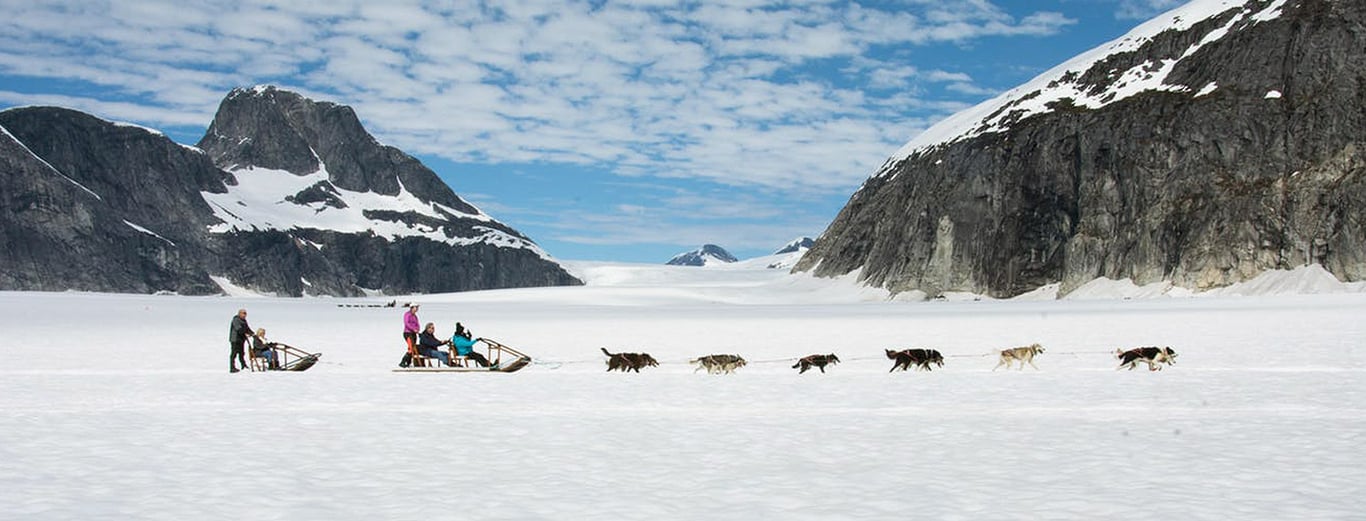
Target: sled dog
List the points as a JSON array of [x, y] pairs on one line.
[[718, 364], [1153, 356], [628, 361], [921, 358], [817, 361], [1023, 355]]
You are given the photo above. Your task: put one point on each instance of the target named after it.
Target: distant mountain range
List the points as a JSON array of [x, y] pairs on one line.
[[1211, 144], [283, 195], [713, 255]]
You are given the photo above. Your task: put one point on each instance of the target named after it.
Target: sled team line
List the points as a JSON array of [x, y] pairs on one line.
[[428, 354], [919, 358]]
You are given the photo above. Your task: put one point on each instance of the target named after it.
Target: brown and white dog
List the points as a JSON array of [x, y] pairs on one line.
[[1023, 355], [1153, 356], [922, 358], [817, 361], [718, 364], [629, 361]]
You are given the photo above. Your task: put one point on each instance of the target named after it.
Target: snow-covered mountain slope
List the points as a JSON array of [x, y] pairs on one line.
[[266, 199], [783, 258], [1075, 84], [797, 245], [707, 255]]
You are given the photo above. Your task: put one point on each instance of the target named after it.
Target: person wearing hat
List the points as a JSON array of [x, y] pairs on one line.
[[411, 326]]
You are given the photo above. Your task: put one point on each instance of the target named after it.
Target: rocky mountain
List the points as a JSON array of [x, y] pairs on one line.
[[796, 245], [707, 255], [97, 206], [1217, 141], [283, 195]]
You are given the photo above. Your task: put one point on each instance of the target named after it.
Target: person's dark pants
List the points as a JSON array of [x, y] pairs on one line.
[[239, 353], [409, 339], [478, 358]]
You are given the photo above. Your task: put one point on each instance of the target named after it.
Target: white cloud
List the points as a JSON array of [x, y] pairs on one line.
[[677, 89]]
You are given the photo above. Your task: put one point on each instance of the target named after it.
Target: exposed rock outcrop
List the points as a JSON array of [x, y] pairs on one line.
[[1211, 144], [285, 196]]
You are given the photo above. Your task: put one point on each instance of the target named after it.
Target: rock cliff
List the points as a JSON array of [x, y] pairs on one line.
[[283, 195], [1220, 140]]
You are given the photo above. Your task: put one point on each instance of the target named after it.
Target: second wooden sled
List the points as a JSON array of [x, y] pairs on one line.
[[514, 361]]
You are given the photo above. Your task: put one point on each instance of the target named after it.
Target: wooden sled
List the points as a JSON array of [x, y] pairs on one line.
[[291, 358], [513, 362]]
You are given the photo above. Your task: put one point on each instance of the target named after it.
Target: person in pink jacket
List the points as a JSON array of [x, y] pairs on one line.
[[411, 326]]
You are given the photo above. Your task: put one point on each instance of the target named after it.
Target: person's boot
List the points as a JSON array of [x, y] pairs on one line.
[[232, 369]]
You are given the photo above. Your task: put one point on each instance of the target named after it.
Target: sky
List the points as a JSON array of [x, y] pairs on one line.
[[617, 131]]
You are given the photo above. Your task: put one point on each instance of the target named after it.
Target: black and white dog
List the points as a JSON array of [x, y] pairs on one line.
[[1153, 356], [921, 358]]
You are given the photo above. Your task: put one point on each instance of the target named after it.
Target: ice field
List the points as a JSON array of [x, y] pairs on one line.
[[121, 407]]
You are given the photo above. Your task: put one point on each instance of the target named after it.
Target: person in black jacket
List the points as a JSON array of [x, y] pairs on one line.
[[428, 345], [237, 340], [263, 349]]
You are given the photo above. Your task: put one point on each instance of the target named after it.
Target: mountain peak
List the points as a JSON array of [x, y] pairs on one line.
[[795, 245], [707, 255]]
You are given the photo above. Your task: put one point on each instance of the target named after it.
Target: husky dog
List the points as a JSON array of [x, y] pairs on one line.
[[1153, 356], [818, 361], [718, 364], [1024, 355], [629, 361], [922, 358]]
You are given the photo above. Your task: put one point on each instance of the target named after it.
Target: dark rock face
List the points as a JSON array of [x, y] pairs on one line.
[[699, 256], [1266, 171], [272, 128], [266, 127], [97, 206], [76, 186]]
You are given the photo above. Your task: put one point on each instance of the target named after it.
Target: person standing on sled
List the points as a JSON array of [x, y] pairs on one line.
[[237, 341], [464, 345], [410, 329], [429, 346]]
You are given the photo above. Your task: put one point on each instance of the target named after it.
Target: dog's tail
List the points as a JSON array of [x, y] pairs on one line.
[[604, 351], [796, 365]]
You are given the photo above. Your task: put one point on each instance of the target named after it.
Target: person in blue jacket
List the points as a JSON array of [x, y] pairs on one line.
[[463, 341], [428, 345]]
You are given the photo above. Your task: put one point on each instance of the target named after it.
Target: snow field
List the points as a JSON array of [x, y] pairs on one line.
[[120, 407]]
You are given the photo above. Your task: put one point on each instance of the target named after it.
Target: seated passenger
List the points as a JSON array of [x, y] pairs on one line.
[[429, 346], [262, 349], [463, 341]]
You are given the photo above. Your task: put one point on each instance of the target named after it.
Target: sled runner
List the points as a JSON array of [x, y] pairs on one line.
[[502, 359], [291, 359]]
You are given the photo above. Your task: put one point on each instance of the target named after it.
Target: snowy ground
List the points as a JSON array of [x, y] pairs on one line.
[[120, 407]]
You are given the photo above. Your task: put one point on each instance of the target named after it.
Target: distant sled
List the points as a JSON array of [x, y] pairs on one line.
[[503, 359]]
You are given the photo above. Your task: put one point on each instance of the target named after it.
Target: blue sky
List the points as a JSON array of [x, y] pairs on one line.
[[604, 131]]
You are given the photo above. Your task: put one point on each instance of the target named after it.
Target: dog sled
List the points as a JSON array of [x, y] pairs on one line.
[[290, 359], [502, 359]]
